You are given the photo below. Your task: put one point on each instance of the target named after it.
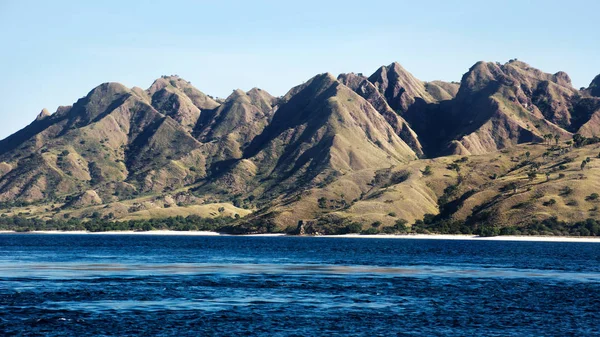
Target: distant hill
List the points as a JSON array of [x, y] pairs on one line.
[[372, 151]]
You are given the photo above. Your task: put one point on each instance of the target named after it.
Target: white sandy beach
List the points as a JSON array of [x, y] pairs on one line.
[[351, 236], [471, 237]]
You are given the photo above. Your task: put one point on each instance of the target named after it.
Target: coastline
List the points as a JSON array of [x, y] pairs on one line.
[[155, 232], [471, 237], [347, 236]]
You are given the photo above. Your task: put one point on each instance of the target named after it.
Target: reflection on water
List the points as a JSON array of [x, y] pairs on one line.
[[85, 270]]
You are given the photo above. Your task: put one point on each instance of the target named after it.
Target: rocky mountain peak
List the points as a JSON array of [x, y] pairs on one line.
[[399, 87], [43, 114], [594, 87], [175, 85], [562, 78]]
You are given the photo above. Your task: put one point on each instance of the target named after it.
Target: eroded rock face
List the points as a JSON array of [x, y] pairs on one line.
[[399, 87], [369, 92]]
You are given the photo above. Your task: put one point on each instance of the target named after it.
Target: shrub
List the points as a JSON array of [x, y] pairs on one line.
[[592, 197], [550, 202], [538, 194], [510, 187], [393, 214], [521, 205], [427, 171], [565, 191], [453, 167], [400, 177]]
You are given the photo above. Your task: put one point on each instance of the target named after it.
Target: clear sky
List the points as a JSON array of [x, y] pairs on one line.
[[54, 52]]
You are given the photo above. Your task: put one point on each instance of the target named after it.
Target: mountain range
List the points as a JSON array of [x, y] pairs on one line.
[[377, 151]]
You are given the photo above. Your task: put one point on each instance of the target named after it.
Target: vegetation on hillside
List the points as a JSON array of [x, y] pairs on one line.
[[179, 223]]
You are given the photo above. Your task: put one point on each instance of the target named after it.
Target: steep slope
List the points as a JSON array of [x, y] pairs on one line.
[[369, 92], [586, 111], [321, 129], [111, 141], [421, 105], [229, 129], [399, 87], [498, 106], [594, 88], [176, 98]]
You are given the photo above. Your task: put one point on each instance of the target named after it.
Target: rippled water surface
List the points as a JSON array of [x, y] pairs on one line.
[[121, 285]]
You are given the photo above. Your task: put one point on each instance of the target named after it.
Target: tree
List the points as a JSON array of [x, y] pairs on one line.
[[556, 139], [527, 154], [583, 163], [579, 140], [531, 176], [547, 176], [400, 225]]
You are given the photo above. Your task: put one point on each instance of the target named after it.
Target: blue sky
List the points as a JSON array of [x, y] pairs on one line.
[[54, 52]]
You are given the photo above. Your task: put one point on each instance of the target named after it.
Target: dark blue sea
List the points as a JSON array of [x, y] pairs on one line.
[[131, 285]]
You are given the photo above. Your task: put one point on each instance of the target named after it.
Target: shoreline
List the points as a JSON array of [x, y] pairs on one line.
[[523, 238]]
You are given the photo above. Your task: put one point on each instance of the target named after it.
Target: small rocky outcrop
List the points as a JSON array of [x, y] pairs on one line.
[[87, 198]]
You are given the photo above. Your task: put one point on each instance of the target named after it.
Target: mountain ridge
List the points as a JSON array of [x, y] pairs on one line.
[[338, 141]]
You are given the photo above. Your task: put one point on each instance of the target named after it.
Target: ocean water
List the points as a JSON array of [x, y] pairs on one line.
[[128, 285]]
